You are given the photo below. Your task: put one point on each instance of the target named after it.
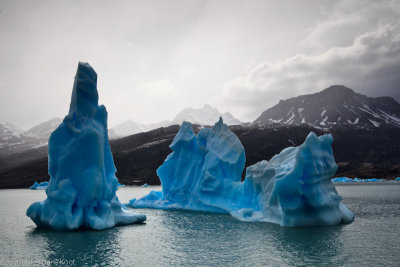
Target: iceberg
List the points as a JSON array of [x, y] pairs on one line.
[[201, 173], [368, 180], [39, 186], [292, 189], [82, 186], [374, 180], [342, 180], [398, 179], [346, 180]]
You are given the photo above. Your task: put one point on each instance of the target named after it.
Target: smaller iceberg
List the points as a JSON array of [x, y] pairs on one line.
[[39, 186], [357, 180], [292, 189], [82, 186], [367, 180], [398, 179], [374, 180], [342, 180], [144, 185]]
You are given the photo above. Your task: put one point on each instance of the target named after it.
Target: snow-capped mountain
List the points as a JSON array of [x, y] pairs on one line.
[[8, 133], [336, 105], [43, 130], [207, 115], [204, 116], [15, 130], [13, 139]]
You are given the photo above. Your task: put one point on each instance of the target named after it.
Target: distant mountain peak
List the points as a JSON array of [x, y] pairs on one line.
[[207, 115], [335, 105], [13, 139]]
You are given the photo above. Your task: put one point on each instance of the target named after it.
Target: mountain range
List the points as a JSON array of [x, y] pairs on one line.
[[205, 116], [14, 140], [365, 132]]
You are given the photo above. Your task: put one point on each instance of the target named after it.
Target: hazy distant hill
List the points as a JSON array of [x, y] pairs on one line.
[[207, 115], [336, 105]]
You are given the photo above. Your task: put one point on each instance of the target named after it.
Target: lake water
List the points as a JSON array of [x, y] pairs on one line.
[[180, 238]]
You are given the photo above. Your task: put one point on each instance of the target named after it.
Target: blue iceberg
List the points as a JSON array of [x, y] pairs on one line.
[[39, 186], [293, 189], [346, 180], [82, 186], [368, 180], [342, 180], [374, 180], [398, 179]]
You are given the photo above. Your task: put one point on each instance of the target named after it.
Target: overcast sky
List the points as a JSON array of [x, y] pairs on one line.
[[154, 58]]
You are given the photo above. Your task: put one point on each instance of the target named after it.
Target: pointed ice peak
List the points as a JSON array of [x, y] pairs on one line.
[[220, 124], [185, 134], [84, 94]]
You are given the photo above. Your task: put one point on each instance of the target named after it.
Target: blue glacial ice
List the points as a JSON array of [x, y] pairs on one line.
[[293, 189], [82, 186], [39, 186], [342, 180], [398, 179], [347, 180]]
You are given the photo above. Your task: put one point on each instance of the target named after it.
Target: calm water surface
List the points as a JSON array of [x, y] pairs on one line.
[[177, 238]]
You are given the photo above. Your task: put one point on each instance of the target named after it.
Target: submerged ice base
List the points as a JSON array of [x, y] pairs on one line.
[[293, 189], [82, 186]]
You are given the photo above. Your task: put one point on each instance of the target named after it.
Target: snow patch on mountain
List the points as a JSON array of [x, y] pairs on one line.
[[43, 130]]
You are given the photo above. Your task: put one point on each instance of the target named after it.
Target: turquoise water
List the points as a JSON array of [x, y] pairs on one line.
[[177, 238]]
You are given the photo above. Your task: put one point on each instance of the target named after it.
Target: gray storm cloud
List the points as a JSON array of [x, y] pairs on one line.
[[154, 58], [370, 64]]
